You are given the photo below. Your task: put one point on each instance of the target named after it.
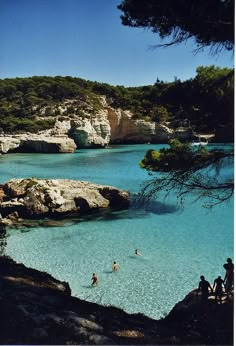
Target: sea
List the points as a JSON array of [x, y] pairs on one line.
[[177, 244]]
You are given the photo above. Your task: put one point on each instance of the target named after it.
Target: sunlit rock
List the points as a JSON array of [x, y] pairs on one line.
[[34, 198]]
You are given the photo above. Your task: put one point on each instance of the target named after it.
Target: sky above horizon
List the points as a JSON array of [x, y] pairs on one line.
[[85, 38]]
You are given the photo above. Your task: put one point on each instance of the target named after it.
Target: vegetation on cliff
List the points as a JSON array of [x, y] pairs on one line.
[[205, 102]]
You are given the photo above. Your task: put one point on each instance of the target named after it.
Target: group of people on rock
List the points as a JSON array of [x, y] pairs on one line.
[[204, 286], [219, 283], [115, 267]]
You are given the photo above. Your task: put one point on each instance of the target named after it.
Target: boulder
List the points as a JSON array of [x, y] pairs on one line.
[[9, 143], [34, 198]]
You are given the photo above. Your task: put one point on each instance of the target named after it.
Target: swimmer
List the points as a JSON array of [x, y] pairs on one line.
[[94, 279], [115, 266], [137, 253]]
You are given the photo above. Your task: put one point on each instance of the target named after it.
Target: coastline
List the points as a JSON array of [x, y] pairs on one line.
[[41, 310]]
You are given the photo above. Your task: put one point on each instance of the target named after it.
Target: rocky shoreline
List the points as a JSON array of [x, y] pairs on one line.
[[35, 308], [34, 198]]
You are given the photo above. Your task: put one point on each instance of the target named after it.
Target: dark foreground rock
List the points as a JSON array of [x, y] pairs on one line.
[[54, 198], [35, 308]]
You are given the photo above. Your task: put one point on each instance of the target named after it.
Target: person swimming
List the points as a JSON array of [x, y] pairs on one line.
[[94, 279], [137, 253], [115, 266]]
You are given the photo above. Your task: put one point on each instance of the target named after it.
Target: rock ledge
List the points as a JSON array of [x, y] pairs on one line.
[[54, 198]]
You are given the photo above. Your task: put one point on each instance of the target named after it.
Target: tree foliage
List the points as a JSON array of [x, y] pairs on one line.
[[204, 102], [185, 170], [210, 23]]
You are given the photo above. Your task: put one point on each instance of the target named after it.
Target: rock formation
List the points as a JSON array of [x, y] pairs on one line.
[[36, 143], [91, 129], [9, 143], [125, 129], [91, 133], [35, 308], [34, 198]]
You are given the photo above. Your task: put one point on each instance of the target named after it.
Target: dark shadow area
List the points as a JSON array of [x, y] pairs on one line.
[[133, 257], [87, 286], [107, 271], [3, 240], [135, 211], [155, 207]]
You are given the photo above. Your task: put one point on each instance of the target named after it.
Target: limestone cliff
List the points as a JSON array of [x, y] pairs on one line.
[[38, 143], [125, 129], [86, 128]]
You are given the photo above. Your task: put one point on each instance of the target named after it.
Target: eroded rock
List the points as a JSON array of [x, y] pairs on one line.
[[92, 128], [34, 198]]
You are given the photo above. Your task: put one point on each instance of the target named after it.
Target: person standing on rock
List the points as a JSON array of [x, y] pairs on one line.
[[218, 283], [229, 275], [94, 280], [204, 288]]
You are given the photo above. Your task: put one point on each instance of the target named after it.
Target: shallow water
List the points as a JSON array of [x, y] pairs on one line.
[[177, 246]]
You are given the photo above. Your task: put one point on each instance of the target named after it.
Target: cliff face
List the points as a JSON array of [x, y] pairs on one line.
[[35, 308], [124, 129], [90, 129], [41, 143], [91, 133]]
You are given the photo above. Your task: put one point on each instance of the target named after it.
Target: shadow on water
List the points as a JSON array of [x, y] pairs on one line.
[[89, 286], [156, 207], [108, 272], [135, 211], [133, 257]]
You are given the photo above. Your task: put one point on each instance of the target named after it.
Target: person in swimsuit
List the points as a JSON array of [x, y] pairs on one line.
[[94, 279], [137, 253], [115, 266]]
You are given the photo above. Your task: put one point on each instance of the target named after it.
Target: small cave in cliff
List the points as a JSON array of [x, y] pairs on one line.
[[39, 147]]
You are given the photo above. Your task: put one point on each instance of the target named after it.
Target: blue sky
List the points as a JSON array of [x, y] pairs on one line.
[[85, 38]]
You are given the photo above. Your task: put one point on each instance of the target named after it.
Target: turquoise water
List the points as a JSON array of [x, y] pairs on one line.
[[177, 247]]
